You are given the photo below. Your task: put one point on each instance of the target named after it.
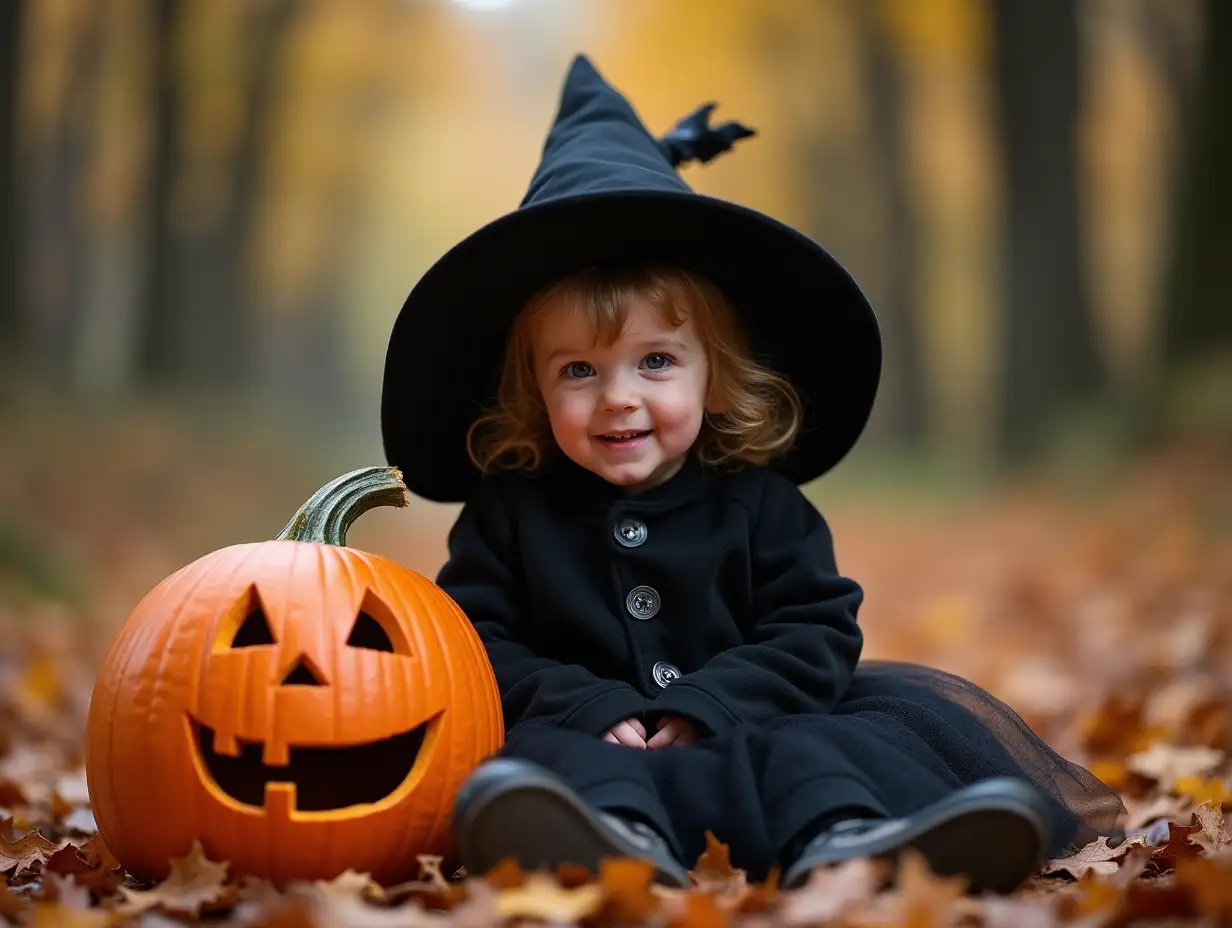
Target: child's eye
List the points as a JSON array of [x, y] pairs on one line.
[[577, 369], [657, 362]]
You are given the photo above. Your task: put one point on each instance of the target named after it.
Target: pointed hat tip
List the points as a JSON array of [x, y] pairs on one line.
[[582, 66]]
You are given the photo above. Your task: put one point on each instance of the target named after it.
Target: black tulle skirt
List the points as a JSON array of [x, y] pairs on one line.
[[918, 732], [903, 736]]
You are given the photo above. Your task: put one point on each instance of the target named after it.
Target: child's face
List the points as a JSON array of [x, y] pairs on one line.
[[628, 411]]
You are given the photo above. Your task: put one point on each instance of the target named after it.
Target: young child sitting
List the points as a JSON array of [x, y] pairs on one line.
[[625, 381]]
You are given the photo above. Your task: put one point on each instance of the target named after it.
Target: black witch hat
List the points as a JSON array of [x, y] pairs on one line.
[[606, 191]]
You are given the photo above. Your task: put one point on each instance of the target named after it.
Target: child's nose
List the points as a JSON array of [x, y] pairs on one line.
[[619, 393]]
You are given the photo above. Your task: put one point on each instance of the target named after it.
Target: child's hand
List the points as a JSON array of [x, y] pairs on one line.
[[631, 733], [673, 730]]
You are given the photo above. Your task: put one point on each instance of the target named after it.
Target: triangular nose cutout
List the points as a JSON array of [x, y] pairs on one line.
[[302, 674]]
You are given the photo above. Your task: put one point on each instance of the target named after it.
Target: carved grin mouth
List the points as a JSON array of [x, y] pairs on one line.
[[325, 778]]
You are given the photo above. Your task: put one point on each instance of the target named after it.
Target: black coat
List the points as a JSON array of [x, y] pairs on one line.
[[713, 596]]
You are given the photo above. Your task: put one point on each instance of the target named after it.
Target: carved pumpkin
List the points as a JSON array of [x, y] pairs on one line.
[[300, 706]]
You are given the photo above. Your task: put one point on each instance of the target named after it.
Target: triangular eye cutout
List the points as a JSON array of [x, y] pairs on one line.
[[254, 630], [369, 633]]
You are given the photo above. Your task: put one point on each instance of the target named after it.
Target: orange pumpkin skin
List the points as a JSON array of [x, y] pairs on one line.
[[174, 667]]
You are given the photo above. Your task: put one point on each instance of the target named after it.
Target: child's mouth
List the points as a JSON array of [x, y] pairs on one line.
[[625, 438]]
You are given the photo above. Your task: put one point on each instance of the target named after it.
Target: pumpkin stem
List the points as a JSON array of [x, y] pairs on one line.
[[325, 518]]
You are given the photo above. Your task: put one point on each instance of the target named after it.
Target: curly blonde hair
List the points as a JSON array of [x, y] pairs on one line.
[[753, 413]]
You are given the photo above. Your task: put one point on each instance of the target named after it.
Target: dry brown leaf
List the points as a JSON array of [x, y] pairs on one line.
[[12, 906], [353, 884], [1018, 912], [23, 852], [920, 896], [1096, 856], [285, 913], [11, 794], [714, 865], [80, 821], [1210, 882], [1142, 813], [1166, 763], [626, 888], [98, 854], [1178, 845], [541, 897], [832, 892], [1214, 837], [698, 909], [66, 891], [195, 882], [507, 874], [714, 872], [58, 808], [55, 915], [85, 869], [1095, 901], [1200, 790]]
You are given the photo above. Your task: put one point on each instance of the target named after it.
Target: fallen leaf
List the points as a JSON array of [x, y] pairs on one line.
[[541, 897], [1178, 845], [23, 852], [98, 854], [832, 892], [1210, 881], [80, 821], [58, 808], [1167, 763], [92, 873], [55, 915], [714, 872], [66, 891], [922, 897], [1214, 836], [352, 883], [11, 795], [1096, 856], [626, 888], [12, 906], [1142, 813], [195, 882], [1200, 790], [507, 874], [699, 910], [1016, 912], [284, 913]]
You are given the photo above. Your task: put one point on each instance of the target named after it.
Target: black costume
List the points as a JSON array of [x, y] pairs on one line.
[[714, 596]]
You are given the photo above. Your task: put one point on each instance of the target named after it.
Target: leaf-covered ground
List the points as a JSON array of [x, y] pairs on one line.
[[1101, 611]]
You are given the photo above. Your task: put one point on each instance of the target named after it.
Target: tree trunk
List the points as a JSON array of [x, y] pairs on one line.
[[157, 351], [1198, 296], [1049, 356], [201, 321], [10, 263], [53, 236], [901, 404]]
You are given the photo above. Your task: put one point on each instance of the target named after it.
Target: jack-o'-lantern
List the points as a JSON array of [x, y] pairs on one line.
[[299, 706]]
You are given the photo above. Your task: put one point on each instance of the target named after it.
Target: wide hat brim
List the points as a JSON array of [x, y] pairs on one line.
[[804, 314]]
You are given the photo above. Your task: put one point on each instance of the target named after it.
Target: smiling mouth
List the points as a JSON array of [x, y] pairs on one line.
[[616, 438], [325, 778]]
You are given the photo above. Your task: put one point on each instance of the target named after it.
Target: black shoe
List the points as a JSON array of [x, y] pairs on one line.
[[512, 808], [994, 832]]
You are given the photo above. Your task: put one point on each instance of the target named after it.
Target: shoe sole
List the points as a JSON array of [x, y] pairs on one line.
[[508, 811], [995, 834]]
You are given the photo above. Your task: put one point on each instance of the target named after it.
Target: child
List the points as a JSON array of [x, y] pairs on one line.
[[626, 381]]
